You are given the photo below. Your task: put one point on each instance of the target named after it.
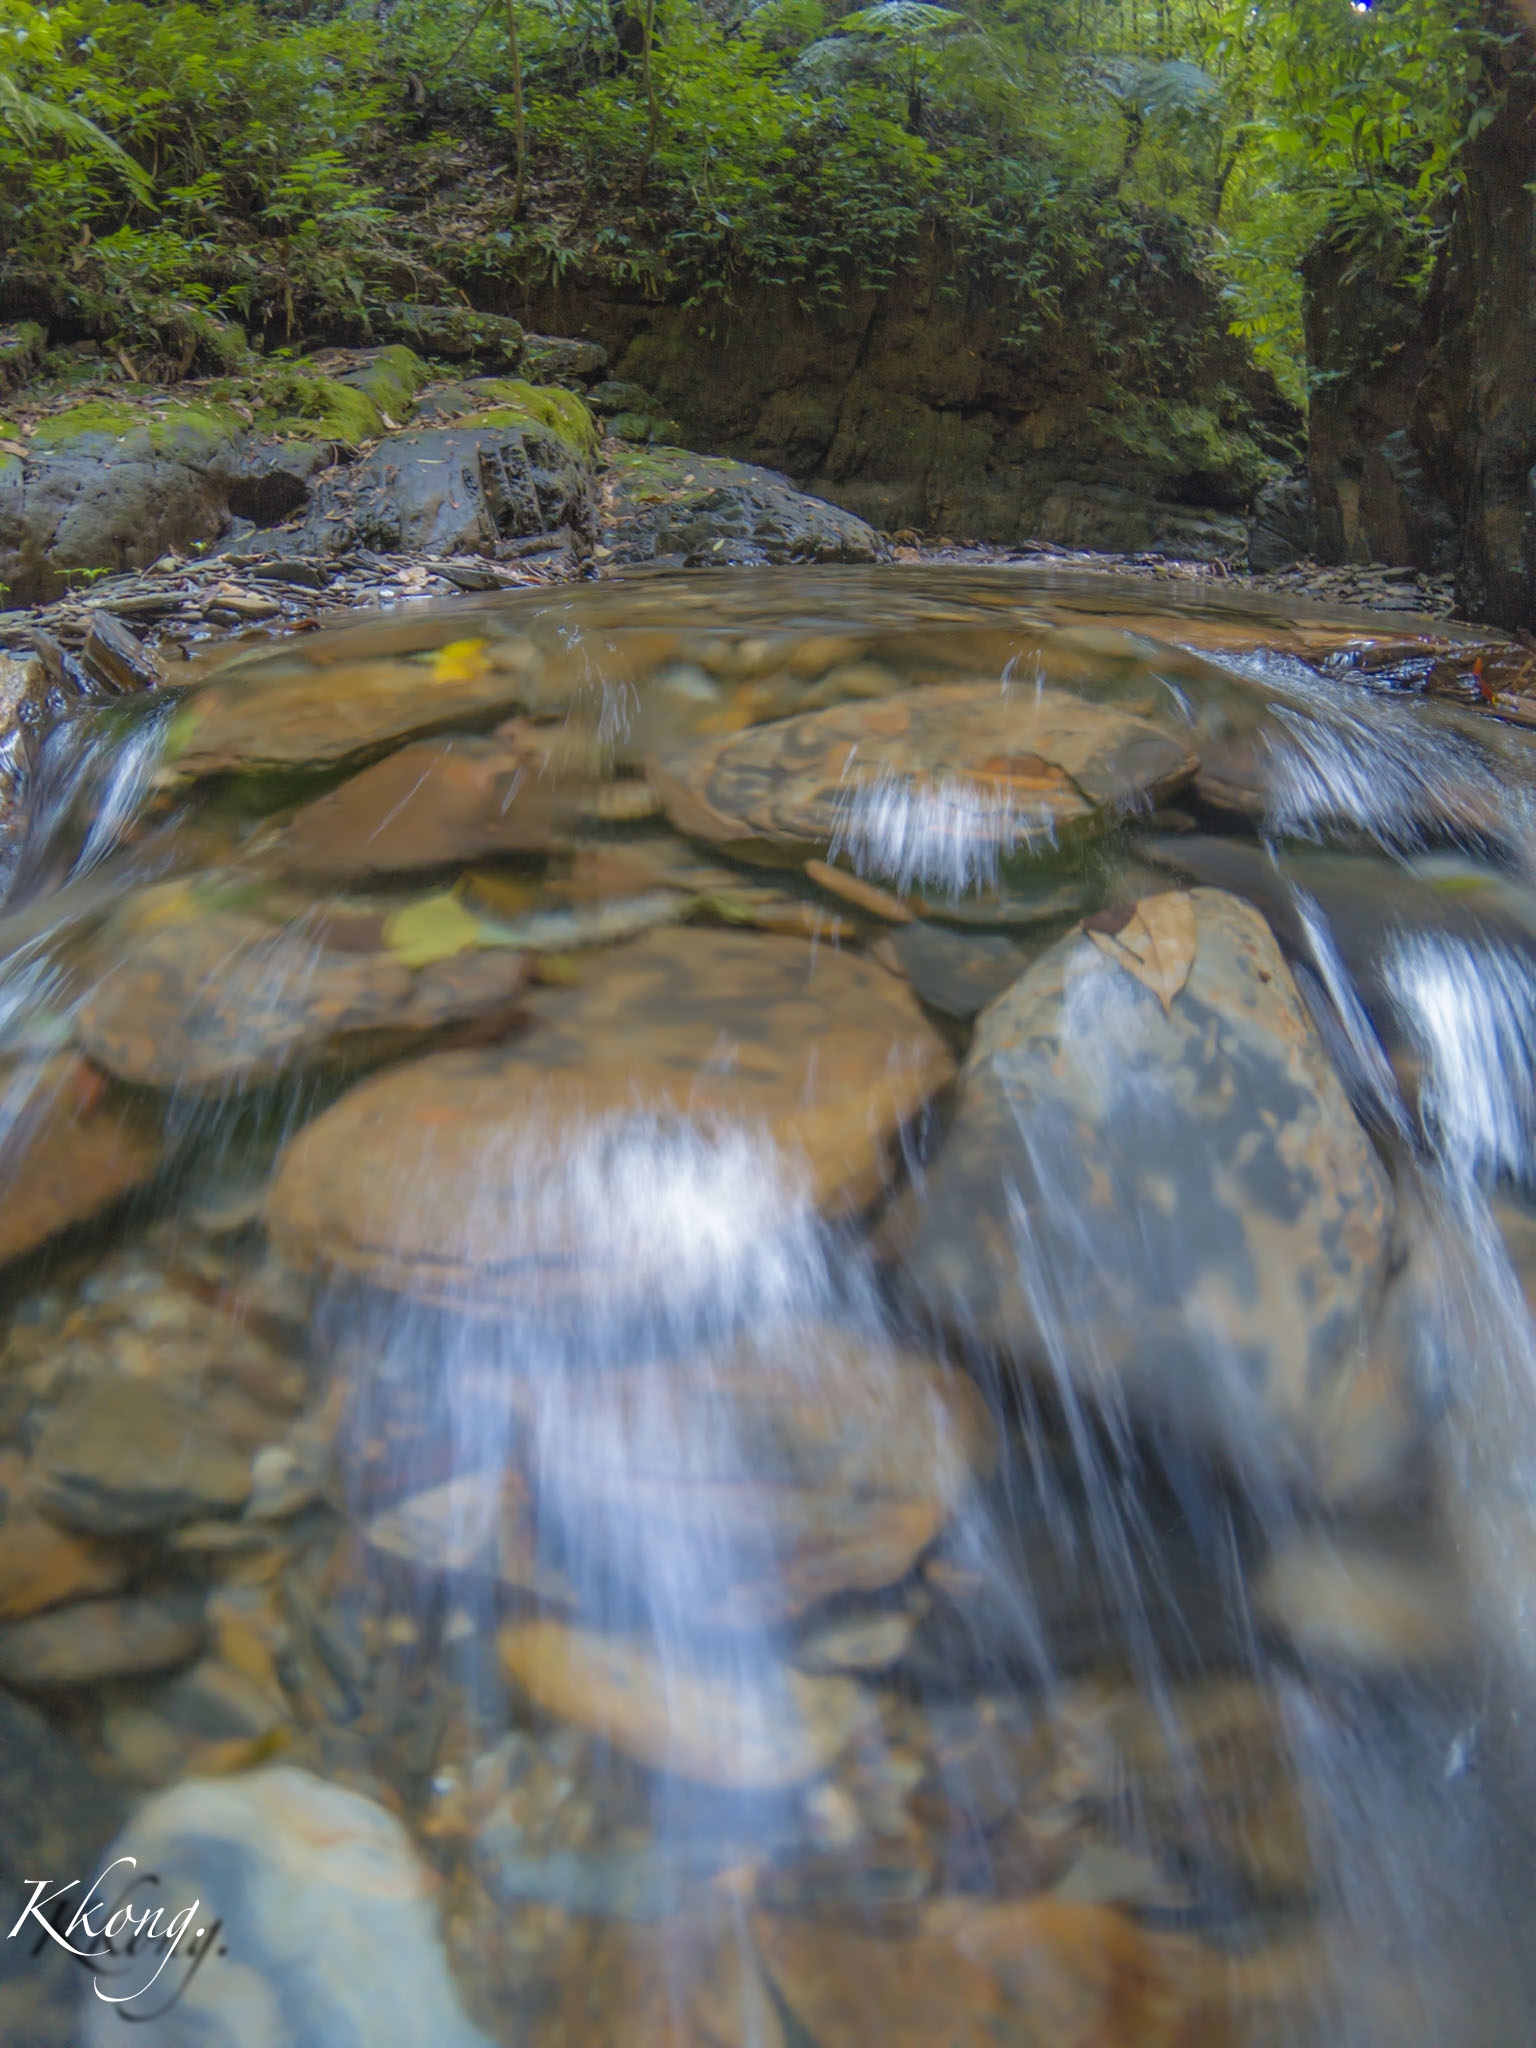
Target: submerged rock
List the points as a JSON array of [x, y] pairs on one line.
[[797, 1466], [42, 1565], [937, 786], [432, 803], [547, 1169], [1155, 1188], [667, 506], [976, 1972], [120, 1457], [325, 1928], [1362, 1606], [67, 1150], [225, 998], [348, 700], [759, 1730], [100, 1639]]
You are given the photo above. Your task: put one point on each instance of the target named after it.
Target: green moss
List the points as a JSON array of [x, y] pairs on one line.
[[185, 433], [562, 412], [320, 409], [391, 380]]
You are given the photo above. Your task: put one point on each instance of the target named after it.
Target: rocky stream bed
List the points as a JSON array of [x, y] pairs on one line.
[[713, 1332]]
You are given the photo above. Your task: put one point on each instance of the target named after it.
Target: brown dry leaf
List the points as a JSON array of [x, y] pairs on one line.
[[1157, 944]]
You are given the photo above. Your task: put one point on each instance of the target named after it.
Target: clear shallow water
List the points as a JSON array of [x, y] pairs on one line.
[[772, 1310]]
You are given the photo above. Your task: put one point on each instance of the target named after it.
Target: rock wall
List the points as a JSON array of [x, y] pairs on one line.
[[911, 407], [1422, 435]]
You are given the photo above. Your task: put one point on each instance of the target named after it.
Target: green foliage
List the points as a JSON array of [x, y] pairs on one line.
[[169, 170]]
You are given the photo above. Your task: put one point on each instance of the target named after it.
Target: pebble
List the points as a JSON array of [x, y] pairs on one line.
[[100, 1639]]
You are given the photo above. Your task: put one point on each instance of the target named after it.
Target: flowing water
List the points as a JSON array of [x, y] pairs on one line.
[[774, 1312]]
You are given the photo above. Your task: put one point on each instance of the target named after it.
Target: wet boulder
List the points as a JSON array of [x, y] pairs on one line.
[[666, 506], [1156, 1193]]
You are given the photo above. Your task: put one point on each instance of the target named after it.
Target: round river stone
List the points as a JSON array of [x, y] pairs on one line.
[[223, 996], [935, 784], [499, 1175]]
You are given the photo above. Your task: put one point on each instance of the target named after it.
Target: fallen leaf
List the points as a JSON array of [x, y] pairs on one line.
[[461, 661], [433, 928], [13, 448], [1157, 944]]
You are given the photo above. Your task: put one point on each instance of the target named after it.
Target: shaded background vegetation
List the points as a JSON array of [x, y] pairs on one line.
[[175, 178]]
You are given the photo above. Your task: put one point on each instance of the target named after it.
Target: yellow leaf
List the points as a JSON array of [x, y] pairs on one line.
[[461, 661], [431, 929], [1158, 944], [164, 903]]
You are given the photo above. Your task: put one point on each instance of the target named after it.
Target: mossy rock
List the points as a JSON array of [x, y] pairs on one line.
[[349, 408], [458, 333], [671, 506], [644, 429]]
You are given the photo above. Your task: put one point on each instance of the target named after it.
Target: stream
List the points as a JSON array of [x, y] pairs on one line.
[[777, 1310]]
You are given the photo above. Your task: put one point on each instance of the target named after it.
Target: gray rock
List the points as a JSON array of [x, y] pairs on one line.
[[1121, 521], [120, 1457], [271, 477], [446, 490], [100, 1639], [1164, 1199], [108, 486], [114, 657], [673, 507], [326, 1934]]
